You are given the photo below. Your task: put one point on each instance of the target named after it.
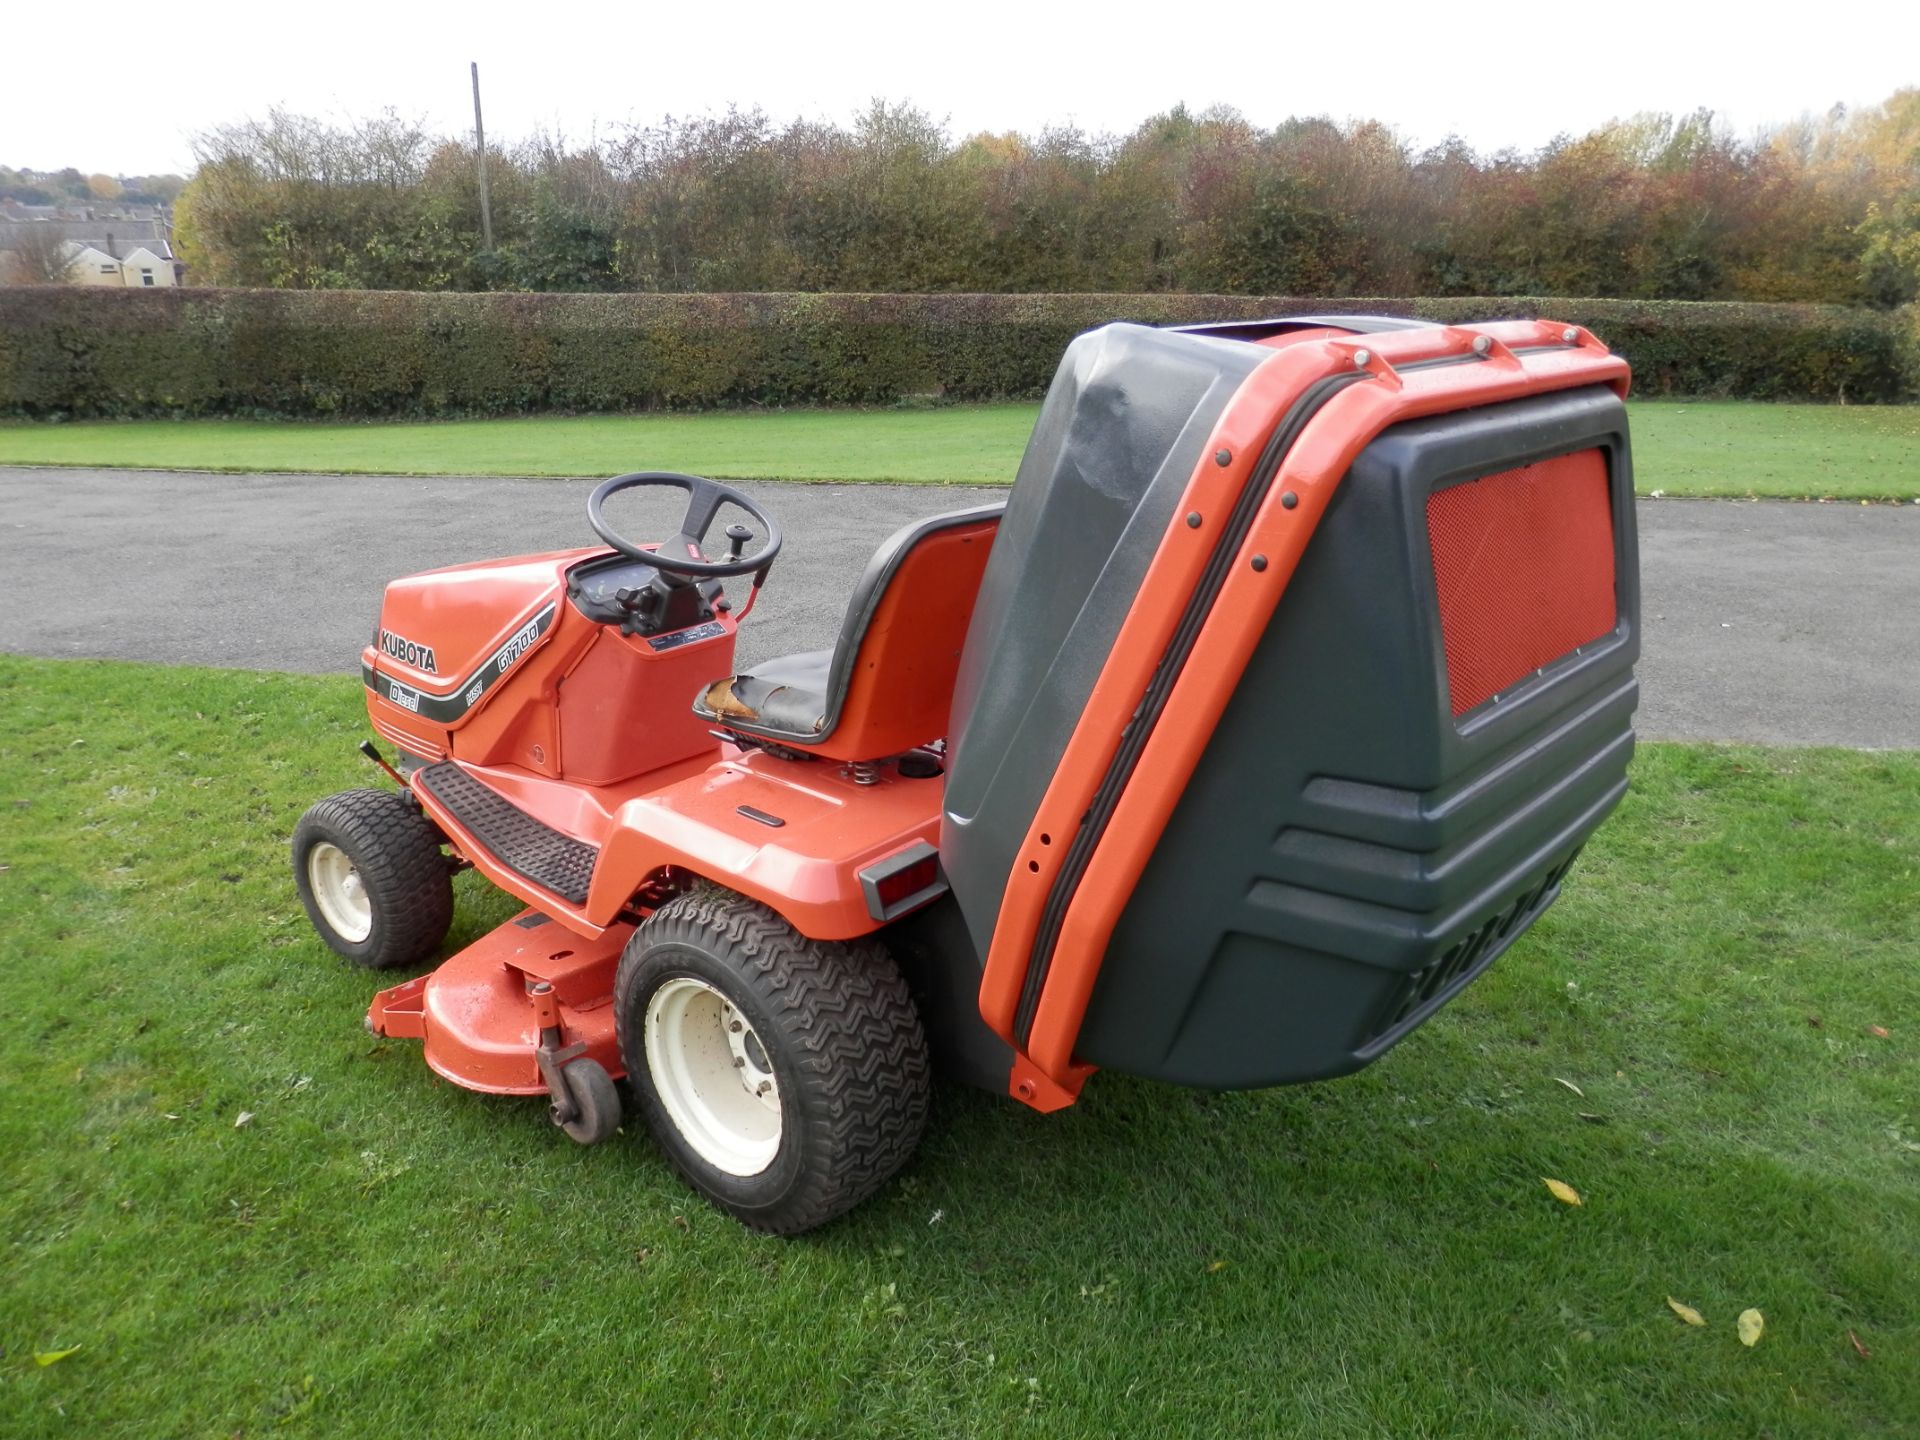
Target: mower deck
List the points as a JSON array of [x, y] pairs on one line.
[[482, 1013]]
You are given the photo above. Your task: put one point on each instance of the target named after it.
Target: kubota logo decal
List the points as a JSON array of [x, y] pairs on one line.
[[467, 691], [409, 652]]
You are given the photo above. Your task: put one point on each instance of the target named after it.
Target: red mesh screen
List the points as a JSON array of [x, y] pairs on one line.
[[1523, 561]]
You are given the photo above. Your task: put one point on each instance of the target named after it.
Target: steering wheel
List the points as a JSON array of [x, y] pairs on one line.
[[681, 557]]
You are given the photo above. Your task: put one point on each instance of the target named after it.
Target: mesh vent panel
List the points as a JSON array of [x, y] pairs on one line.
[[1523, 562]]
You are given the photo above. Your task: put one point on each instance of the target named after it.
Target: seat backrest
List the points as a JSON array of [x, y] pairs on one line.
[[891, 682]]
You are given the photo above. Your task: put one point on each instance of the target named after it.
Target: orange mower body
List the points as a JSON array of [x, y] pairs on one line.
[[1272, 706]]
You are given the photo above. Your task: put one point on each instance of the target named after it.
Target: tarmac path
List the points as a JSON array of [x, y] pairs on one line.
[[1769, 621]]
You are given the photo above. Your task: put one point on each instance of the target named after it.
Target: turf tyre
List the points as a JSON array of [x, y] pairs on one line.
[[394, 852], [839, 1031]]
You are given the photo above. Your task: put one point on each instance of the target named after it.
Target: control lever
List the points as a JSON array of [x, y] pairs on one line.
[[636, 597], [759, 579], [737, 537]]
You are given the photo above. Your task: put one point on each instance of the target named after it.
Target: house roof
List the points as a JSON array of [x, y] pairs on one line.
[[115, 237], [11, 209]]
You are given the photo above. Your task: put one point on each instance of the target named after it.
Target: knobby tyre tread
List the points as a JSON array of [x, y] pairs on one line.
[[397, 851], [857, 1072]]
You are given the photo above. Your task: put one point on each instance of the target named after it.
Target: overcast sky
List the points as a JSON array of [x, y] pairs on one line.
[[127, 97]]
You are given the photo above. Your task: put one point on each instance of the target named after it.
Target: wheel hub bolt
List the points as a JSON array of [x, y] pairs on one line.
[[736, 1027]]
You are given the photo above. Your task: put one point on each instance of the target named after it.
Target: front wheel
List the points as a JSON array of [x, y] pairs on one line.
[[786, 1078], [370, 872]]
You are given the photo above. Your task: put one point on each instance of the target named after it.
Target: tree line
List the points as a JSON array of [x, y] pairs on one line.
[[69, 187], [1654, 207]]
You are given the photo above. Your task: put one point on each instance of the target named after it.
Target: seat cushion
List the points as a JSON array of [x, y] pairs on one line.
[[784, 698], [887, 685]]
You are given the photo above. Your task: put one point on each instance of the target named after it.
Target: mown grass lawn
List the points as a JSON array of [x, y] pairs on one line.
[[1681, 448], [958, 444], [378, 1254]]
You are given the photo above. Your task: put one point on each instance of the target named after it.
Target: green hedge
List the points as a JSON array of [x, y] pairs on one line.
[[73, 351]]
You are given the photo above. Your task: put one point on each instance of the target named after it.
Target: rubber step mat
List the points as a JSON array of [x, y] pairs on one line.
[[531, 850]]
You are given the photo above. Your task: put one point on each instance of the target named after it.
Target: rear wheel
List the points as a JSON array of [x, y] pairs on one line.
[[370, 872], [786, 1078]]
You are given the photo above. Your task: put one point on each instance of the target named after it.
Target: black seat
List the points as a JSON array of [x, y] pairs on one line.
[[784, 699], [887, 684]]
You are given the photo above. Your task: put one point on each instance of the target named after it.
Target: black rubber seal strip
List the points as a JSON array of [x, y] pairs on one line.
[[1133, 739]]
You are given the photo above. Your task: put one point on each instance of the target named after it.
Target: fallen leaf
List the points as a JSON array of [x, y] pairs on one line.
[[1591, 1118], [1864, 1352], [1216, 1267], [54, 1357], [1814, 1021], [1686, 1312], [1752, 1326], [683, 1223], [1881, 1031], [1562, 1191], [1573, 1087], [245, 1118]]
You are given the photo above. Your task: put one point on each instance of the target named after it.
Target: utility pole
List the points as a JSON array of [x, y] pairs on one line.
[[480, 149]]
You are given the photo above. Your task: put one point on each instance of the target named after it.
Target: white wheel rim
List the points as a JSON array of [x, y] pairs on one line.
[[338, 891], [713, 1076]]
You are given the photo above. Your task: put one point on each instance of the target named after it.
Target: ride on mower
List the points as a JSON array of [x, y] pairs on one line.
[[1273, 705]]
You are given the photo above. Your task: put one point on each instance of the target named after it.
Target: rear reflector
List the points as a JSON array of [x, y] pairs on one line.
[[1523, 562], [903, 881]]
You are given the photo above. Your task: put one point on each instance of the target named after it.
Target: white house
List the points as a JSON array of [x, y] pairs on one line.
[[89, 266], [143, 267], [140, 267], [121, 251]]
